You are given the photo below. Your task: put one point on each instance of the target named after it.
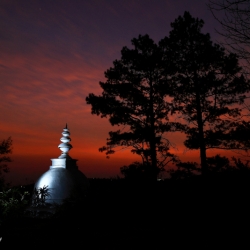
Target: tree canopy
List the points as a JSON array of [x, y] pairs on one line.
[[185, 73], [135, 97], [206, 85]]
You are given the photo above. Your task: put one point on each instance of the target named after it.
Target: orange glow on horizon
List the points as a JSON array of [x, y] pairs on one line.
[[52, 57]]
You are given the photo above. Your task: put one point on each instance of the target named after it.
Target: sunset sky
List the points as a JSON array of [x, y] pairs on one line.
[[53, 53]]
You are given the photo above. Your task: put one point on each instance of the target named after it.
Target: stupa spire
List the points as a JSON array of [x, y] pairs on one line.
[[65, 146]]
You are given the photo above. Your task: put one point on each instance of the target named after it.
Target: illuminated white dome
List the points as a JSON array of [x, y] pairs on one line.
[[63, 179]]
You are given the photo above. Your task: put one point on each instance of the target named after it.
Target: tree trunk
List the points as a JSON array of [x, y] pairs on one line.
[[152, 142], [202, 144]]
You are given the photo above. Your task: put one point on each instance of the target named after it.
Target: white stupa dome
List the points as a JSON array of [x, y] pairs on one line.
[[63, 180]]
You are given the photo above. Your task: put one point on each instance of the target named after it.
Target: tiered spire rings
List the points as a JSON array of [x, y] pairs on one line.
[[65, 146]]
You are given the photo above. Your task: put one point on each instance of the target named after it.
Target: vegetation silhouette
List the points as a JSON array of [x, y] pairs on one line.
[[239, 135], [184, 170], [233, 16], [116, 214], [184, 74], [206, 85], [135, 97], [13, 202], [40, 195], [5, 150]]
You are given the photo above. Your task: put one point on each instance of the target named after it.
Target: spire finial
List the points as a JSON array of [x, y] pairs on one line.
[[65, 146]]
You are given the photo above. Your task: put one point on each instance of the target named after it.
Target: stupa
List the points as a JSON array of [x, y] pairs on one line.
[[63, 180]]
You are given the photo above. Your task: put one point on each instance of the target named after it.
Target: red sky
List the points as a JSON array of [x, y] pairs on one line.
[[52, 55]]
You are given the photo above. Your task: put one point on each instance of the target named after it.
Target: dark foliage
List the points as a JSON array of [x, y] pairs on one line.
[[117, 215], [135, 97], [239, 136], [5, 150], [13, 202], [184, 170], [240, 165], [218, 163], [203, 81], [206, 85], [138, 172], [233, 16]]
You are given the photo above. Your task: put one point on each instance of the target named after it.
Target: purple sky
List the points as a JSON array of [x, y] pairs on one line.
[[53, 53]]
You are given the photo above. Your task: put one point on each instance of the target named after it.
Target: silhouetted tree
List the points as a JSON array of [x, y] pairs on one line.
[[240, 137], [206, 85], [5, 150], [240, 165], [134, 171], [184, 170], [218, 163], [134, 97], [13, 203], [233, 15]]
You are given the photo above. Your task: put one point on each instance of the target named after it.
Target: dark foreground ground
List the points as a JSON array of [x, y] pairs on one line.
[[212, 213]]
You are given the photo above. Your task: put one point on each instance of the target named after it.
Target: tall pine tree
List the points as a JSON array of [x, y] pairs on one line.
[[206, 85], [135, 97]]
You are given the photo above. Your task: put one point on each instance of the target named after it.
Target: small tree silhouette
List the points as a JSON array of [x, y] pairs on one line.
[[13, 202], [40, 195], [5, 150]]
